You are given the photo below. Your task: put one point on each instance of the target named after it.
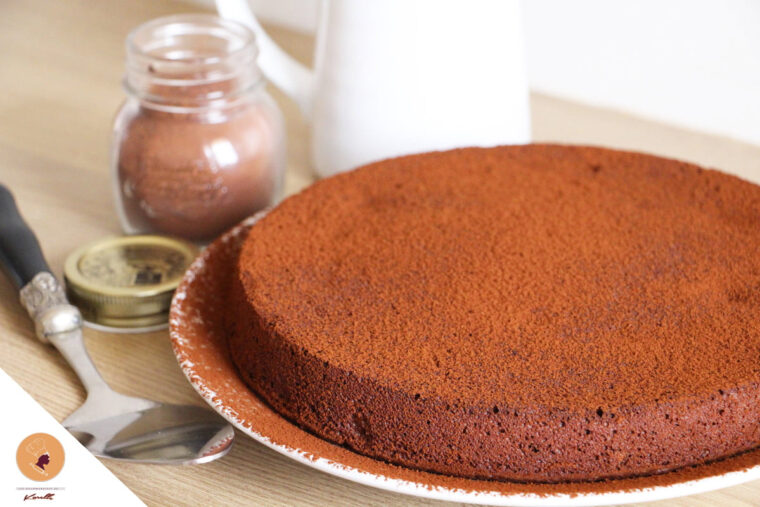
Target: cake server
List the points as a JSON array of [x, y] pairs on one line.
[[109, 424]]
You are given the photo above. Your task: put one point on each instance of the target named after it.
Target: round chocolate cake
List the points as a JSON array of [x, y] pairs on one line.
[[529, 313]]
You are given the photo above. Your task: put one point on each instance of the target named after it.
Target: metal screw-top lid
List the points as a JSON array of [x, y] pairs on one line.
[[126, 284]]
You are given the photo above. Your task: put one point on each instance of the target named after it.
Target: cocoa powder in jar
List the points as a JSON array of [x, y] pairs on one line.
[[199, 144], [194, 176]]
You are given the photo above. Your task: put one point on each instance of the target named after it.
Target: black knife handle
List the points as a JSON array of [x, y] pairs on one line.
[[20, 254]]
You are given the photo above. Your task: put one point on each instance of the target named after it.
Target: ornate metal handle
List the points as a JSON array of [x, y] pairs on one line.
[[45, 300]]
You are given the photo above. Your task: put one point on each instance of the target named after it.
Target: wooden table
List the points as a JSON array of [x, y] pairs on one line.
[[60, 85]]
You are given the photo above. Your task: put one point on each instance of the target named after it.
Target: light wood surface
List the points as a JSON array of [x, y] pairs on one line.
[[62, 64]]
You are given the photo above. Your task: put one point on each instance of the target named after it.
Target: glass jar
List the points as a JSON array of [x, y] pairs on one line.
[[198, 145]]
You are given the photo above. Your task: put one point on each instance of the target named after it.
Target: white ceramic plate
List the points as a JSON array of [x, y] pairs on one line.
[[201, 351]]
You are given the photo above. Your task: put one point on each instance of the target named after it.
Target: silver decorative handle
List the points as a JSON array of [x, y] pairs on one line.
[[45, 300]]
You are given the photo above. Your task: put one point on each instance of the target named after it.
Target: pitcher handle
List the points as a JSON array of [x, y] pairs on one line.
[[289, 75]]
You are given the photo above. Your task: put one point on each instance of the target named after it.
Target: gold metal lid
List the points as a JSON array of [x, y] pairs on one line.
[[127, 283]]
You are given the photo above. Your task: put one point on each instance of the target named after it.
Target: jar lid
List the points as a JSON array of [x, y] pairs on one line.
[[127, 283]]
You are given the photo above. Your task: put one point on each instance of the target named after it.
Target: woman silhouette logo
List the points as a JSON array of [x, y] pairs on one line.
[[42, 461], [40, 457]]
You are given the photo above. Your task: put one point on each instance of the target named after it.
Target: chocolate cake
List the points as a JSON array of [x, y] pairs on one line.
[[531, 313]]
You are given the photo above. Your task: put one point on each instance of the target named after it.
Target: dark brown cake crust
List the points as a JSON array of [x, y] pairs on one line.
[[534, 313]]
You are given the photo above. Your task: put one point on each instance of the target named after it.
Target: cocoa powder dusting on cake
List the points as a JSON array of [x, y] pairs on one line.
[[199, 337], [536, 313]]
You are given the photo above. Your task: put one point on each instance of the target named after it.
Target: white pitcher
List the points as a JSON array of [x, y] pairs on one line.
[[394, 77]]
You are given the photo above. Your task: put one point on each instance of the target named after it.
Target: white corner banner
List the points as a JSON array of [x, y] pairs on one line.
[[42, 464]]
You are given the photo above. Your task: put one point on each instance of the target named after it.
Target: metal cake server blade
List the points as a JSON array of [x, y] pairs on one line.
[[109, 424]]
